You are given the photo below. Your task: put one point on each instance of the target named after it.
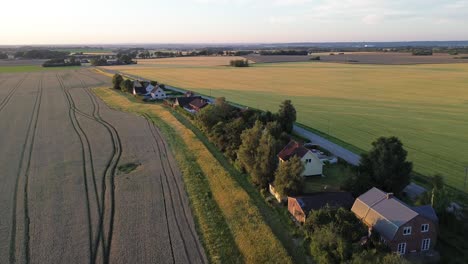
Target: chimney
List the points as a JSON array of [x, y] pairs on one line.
[[389, 196]]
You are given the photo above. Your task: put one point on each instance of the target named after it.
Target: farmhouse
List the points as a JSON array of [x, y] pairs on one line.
[[301, 206], [404, 229], [138, 88], [313, 166], [193, 104], [158, 93]]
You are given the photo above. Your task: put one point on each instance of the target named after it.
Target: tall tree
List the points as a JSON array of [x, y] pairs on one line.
[[386, 165], [117, 79], [287, 116], [266, 160], [247, 153], [288, 177], [126, 86]]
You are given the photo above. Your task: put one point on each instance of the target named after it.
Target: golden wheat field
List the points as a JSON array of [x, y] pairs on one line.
[[426, 106]]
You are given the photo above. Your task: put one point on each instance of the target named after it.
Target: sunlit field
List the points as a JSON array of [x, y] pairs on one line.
[[426, 106]]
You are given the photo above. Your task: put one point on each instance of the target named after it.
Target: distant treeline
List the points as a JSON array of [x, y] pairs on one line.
[[422, 52], [284, 52], [41, 54], [3, 56], [61, 63]]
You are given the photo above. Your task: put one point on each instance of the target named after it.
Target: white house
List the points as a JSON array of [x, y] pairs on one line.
[[149, 88], [158, 93], [313, 166]]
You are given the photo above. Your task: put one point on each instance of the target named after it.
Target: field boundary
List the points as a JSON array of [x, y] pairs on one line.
[[242, 216]]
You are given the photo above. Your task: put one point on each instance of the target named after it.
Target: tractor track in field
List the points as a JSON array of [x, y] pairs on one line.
[[31, 139], [82, 136], [107, 180], [7, 98], [163, 153]]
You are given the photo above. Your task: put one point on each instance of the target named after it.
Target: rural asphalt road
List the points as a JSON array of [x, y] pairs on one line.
[[335, 149]]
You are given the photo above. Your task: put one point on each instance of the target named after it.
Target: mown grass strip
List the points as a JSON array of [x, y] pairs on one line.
[[254, 239]]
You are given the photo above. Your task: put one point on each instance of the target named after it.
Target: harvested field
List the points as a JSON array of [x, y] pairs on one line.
[[424, 105], [187, 61], [21, 62], [384, 58], [62, 197]]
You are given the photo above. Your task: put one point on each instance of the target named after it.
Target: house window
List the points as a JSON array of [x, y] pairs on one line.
[[426, 243], [308, 160], [424, 228], [407, 230], [401, 248]]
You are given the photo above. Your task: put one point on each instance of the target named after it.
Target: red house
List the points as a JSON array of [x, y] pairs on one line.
[[404, 229]]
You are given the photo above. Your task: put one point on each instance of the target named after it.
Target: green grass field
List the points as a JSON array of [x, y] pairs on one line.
[[33, 68], [426, 106]]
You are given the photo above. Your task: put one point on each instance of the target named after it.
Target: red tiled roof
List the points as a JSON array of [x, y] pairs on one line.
[[292, 149]]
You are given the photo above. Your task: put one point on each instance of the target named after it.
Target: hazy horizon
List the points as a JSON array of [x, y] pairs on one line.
[[50, 22]]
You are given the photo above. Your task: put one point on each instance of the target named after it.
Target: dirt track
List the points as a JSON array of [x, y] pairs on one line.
[[62, 198]]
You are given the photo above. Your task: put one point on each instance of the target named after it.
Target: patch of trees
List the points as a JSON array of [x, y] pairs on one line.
[[251, 139], [41, 54], [61, 63], [422, 52], [123, 59], [3, 56], [335, 235], [99, 62], [119, 83], [284, 52], [315, 58], [239, 63], [144, 55], [166, 54], [384, 166]]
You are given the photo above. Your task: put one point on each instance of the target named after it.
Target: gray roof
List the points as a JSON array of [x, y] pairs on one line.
[[427, 211], [385, 213], [413, 190]]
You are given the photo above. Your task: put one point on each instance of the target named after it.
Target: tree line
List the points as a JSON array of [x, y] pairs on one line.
[[41, 54], [61, 62], [3, 56], [284, 52]]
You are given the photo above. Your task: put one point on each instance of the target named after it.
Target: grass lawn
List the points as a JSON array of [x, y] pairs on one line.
[[424, 105], [33, 68], [334, 176]]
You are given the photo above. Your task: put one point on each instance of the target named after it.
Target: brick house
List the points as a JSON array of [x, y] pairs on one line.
[[403, 228], [301, 206]]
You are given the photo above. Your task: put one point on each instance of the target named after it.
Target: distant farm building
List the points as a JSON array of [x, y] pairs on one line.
[[192, 104], [313, 166], [300, 206], [158, 93], [404, 229]]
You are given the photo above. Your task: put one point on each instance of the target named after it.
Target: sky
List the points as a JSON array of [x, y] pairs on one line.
[[230, 21]]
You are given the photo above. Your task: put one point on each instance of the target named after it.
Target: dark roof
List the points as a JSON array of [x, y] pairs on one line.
[[320, 199], [140, 90], [137, 84], [291, 149], [198, 103], [185, 101], [427, 211]]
